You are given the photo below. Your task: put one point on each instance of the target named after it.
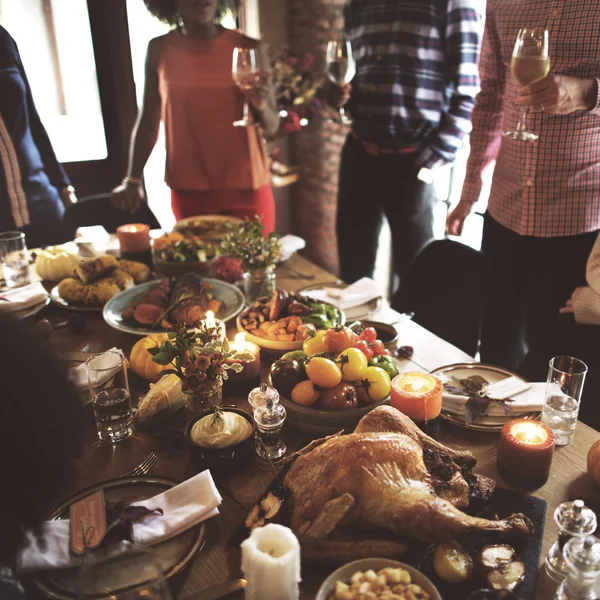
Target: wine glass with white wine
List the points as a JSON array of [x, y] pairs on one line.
[[341, 68], [530, 63], [247, 76]]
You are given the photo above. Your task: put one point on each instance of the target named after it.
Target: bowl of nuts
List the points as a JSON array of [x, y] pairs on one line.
[[377, 579]]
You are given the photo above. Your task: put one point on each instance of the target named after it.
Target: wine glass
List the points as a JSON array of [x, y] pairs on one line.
[[247, 76], [341, 68], [530, 63]]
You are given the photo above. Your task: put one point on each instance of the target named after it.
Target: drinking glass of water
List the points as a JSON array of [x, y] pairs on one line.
[[111, 401], [564, 386], [14, 258], [341, 68]]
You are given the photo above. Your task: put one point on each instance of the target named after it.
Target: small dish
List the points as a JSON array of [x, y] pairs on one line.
[[386, 333], [221, 460], [345, 573]]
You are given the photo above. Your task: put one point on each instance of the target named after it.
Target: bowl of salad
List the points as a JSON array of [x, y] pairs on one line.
[[175, 254]]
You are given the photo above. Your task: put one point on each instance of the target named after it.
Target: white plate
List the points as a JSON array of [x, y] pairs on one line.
[[492, 375], [55, 296], [345, 573], [32, 310]]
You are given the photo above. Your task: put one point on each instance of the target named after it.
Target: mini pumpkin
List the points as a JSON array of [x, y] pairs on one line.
[[593, 462], [55, 263], [141, 360]]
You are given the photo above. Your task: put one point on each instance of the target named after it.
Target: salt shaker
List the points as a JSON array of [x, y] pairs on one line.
[[582, 556], [270, 448], [574, 520], [261, 395]]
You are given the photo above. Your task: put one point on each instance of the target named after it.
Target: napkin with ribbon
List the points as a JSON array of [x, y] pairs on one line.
[[184, 506], [79, 375], [22, 298], [360, 292], [291, 244], [531, 400]]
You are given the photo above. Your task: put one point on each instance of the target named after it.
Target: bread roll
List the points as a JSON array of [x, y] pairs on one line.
[[95, 268], [139, 271], [122, 279]]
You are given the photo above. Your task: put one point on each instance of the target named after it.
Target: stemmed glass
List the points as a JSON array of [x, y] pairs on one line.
[[530, 63], [341, 68], [247, 76]]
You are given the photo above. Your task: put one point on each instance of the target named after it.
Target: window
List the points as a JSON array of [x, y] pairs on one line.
[[55, 43]]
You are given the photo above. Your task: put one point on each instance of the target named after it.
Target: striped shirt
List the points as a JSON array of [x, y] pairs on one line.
[[416, 72], [551, 187]]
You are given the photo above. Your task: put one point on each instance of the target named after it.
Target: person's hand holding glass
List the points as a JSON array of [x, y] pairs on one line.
[[341, 69], [247, 76], [530, 63]]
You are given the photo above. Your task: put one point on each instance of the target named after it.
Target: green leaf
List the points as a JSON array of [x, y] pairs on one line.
[[172, 335], [162, 358], [235, 367], [154, 351], [170, 372]]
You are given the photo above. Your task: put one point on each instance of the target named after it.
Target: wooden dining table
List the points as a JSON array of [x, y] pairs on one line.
[[218, 561]]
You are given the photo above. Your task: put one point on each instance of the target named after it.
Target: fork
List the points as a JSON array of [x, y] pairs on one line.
[[144, 467]]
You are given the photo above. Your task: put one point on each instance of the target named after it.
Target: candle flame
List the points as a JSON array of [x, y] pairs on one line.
[[417, 386], [529, 433], [240, 340], [210, 319], [133, 228]]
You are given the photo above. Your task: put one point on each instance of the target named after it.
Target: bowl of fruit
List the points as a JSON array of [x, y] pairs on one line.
[[175, 254], [335, 379], [282, 322]]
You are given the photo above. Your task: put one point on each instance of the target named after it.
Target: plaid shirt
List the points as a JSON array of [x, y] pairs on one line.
[[550, 187], [416, 72]]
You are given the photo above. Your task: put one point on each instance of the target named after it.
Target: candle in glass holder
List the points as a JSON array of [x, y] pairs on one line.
[[525, 453], [211, 323], [134, 238], [251, 370], [271, 563], [419, 396]]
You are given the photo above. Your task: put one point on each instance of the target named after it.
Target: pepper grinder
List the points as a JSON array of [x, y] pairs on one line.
[[582, 556], [261, 395], [269, 447], [574, 520]]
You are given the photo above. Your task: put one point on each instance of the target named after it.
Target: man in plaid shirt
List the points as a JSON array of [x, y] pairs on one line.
[[411, 102], [544, 206]]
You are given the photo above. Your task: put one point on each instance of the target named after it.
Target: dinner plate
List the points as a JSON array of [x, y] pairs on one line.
[[206, 226], [492, 375], [353, 313], [31, 310], [231, 297], [173, 554], [55, 297]]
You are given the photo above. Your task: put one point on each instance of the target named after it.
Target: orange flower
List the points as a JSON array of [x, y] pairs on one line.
[[202, 362]]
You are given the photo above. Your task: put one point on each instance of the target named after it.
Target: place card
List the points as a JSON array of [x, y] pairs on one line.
[[507, 388], [87, 523]]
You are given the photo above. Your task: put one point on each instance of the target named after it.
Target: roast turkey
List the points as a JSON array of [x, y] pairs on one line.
[[387, 476]]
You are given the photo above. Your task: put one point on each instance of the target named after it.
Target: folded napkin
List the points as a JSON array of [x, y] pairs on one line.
[[183, 506], [290, 245], [360, 292], [531, 400], [79, 375], [22, 298]]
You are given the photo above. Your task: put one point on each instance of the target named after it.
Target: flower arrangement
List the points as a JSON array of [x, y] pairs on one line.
[[200, 359], [296, 90], [248, 243]]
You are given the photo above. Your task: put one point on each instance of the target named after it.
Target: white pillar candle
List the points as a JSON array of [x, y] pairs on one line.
[[271, 564]]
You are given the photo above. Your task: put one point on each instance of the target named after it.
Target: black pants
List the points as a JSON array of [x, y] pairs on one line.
[[369, 187], [527, 280]]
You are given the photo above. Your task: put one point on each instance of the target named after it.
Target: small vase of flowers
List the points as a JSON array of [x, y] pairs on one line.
[[199, 359], [259, 255]]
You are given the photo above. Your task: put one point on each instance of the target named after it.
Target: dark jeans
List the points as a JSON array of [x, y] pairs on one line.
[[369, 187], [527, 280]]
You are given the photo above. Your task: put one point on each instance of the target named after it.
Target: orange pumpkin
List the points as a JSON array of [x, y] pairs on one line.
[[141, 360], [593, 462]]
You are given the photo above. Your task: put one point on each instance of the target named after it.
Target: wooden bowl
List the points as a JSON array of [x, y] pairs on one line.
[[345, 573]]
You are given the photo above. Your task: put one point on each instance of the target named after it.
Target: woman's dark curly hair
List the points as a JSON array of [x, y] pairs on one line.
[[41, 422], [166, 10]]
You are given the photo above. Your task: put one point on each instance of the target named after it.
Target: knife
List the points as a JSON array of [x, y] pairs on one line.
[[219, 591]]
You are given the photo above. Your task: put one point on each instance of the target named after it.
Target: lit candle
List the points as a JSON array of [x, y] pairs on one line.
[[417, 395], [251, 370], [134, 237], [271, 564], [525, 453], [211, 323]]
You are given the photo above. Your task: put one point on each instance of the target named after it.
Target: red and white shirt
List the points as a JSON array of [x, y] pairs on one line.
[[550, 187]]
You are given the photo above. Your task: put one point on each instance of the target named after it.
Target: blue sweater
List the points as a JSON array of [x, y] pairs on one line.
[[42, 176]]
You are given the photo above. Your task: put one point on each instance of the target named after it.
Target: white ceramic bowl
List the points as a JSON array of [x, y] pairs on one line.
[[345, 573]]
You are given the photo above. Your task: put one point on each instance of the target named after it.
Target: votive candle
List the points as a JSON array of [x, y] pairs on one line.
[[525, 453], [134, 237], [251, 368], [417, 395]]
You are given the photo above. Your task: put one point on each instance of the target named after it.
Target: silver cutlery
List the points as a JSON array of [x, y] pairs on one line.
[[144, 467]]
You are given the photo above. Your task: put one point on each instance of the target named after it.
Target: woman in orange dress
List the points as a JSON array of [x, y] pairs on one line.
[[212, 167]]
